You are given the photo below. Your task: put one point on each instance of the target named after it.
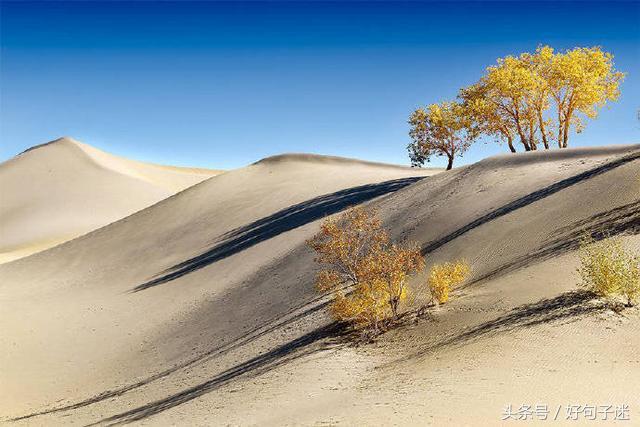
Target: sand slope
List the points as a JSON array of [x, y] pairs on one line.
[[62, 189], [233, 328]]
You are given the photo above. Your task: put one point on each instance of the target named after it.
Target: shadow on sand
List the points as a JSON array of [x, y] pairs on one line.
[[286, 353], [280, 222], [564, 307], [623, 220], [569, 306], [529, 199], [233, 242], [304, 310]]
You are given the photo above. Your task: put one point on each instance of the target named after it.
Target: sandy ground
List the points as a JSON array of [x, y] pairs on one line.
[[201, 310], [62, 189]]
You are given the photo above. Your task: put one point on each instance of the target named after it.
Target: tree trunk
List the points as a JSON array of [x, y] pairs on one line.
[[450, 165], [523, 139], [543, 131], [510, 143], [393, 302], [565, 133], [532, 139], [560, 128]]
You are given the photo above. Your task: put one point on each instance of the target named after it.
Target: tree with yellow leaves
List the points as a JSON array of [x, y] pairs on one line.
[[485, 114], [514, 97], [539, 97], [366, 273], [503, 102], [580, 81], [441, 130]]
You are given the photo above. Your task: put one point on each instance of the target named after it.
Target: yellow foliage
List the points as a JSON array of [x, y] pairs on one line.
[[443, 277], [608, 269], [366, 273], [510, 100], [513, 98], [442, 130], [580, 80]]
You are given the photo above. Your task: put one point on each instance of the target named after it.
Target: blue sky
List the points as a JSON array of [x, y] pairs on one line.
[[224, 84]]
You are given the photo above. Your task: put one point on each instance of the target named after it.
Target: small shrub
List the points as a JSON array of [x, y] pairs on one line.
[[366, 274], [608, 269], [443, 277]]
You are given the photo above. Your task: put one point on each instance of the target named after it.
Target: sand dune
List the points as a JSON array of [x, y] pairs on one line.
[[201, 310], [62, 189]]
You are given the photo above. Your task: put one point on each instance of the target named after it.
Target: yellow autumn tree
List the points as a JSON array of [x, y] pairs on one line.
[[503, 102], [514, 97], [539, 97], [439, 130], [486, 116], [365, 272], [580, 82]]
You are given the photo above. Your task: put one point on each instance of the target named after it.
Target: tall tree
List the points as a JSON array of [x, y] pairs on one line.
[[580, 81], [539, 96], [440, 130], [514, 97], [486, 116], [509, 87]]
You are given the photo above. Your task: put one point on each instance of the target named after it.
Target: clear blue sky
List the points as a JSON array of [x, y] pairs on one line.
[[224, 84]]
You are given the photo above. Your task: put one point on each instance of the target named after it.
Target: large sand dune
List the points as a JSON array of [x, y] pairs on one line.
[[201, 310], [62, 189]]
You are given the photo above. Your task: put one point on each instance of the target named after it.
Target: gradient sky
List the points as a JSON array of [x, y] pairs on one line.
[[221, 85]]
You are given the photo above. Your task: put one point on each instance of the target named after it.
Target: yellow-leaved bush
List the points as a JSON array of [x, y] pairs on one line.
[[443, 277], [365, 272], [608, 269]]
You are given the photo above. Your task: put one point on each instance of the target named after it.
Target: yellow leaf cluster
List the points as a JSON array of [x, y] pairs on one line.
[[608, 269], [443, 277], [514, 97], [366, 273], [442, 130], [514, 100]]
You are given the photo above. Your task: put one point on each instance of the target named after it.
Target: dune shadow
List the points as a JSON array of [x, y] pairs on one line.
[[623, 220], [305, 345], [280, 222], [529, 199], [569, 306], [303, 310], [283, 220]]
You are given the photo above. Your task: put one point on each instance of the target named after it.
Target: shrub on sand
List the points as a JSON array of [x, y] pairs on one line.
[[365, 272], [608, 269], [443, 277]]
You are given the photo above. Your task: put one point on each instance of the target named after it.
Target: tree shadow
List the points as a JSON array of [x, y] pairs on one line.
[[280, 222], [569, 306], [529, 199]]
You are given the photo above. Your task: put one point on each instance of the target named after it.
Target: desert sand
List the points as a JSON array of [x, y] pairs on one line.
[[62, 189], [201, 310]]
